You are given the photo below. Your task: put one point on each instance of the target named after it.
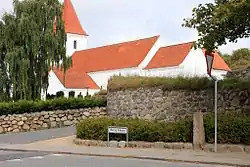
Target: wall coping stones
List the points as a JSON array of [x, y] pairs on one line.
[[162, 145]]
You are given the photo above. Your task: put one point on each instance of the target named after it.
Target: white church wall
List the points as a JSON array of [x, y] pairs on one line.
[[55, 84], [164, 72], [101, 78], [82, 91], [81, 41], [195, 65]]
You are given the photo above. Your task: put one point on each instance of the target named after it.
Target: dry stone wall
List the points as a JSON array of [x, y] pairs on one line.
[[157, 104], [46, 120], [243, 74]]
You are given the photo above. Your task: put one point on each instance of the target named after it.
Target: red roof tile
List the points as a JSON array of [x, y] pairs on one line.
[[75, 79], [71, 21], [170, 56], [117, 56]]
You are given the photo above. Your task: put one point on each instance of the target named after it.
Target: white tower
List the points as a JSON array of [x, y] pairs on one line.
[[76, 36]]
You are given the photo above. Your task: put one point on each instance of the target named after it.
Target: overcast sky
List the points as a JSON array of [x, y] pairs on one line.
[[112, 21]]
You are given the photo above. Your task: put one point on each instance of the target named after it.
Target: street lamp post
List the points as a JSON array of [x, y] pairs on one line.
[[209, 60]]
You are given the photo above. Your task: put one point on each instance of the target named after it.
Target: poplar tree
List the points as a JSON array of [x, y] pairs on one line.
[[33, 41]]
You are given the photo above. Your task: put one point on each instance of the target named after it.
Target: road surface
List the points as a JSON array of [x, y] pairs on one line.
[[19, 159], [30, 137]]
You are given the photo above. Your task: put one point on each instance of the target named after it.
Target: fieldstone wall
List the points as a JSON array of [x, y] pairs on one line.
[[157, 104], [154, 103], [46, 120], [243, 74]]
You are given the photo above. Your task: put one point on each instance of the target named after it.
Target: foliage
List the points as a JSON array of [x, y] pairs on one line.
[[234, 83], [233, 128], [240, 59], [32, 39], [24, 106], [72, 94], [139, 130], [178, 83], [220, 21]]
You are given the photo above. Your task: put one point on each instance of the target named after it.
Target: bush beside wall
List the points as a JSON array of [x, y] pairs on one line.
[[139, 130], [232, 129], [21, 107]]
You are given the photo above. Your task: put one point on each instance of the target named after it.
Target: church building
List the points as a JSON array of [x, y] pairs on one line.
[[93, 67]]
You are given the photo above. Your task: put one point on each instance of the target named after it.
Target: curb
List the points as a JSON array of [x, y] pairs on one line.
[[124, 156]]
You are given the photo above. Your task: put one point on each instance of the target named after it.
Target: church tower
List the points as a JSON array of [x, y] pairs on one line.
[[76, 36]]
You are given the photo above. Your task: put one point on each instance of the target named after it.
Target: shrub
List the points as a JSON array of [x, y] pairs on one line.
[[49, 105], [60, 94], [72, 94], [233, 128], [139, 130]]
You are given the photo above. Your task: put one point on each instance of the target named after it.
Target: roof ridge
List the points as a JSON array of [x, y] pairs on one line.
[[177, 44], [98, 47]]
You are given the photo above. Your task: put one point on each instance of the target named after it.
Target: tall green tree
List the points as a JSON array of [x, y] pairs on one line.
[[4, 79], [239, 59], [33, 45], [219, 22]]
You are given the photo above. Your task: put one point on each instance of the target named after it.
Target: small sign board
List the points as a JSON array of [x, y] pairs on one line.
[[118, 130]]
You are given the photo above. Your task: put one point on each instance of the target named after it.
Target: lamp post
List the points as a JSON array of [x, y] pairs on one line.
[[209, 60]]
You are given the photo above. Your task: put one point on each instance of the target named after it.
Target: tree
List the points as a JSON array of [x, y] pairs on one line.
[[239, 59], [220, 21], [32, 46], [4, 79]]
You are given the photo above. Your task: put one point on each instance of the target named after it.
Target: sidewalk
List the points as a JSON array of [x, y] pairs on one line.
[[66, 146]]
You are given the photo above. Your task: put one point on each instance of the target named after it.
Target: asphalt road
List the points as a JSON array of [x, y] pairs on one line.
[[30, 137], [19, 159]]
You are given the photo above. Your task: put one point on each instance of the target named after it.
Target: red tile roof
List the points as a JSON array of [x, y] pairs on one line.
[[170, 56], [174, 55], [75, 79], [71, 21], [117, 56]]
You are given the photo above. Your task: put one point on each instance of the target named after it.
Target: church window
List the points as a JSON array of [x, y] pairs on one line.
[[75, 44]]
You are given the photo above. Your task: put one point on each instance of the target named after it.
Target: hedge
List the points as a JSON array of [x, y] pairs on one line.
[[21, 107], [232, 129], [118, 83], [139, 130]]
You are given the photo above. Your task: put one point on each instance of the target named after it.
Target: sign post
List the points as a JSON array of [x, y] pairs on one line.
[[117, 130], [209, 61]]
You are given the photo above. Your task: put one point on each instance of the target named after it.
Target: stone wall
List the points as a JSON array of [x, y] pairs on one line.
[[154, 103], [46, 120], [241, 74]]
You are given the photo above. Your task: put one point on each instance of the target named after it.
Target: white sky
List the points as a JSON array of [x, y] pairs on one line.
[[112, 21]]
